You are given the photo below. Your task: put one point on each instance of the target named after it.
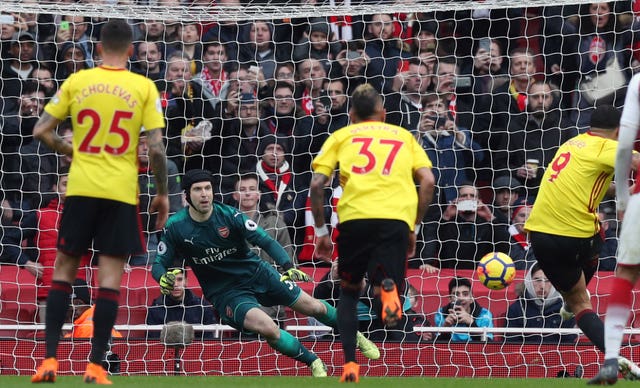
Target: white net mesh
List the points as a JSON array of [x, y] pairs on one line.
[[490, 88]]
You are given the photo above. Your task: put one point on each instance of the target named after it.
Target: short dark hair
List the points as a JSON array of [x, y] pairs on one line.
[[116, 35], [605, 117], [246, 176], [457, 282], [365, 100]]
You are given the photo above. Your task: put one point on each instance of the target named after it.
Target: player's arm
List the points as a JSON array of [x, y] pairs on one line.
[[164, 258], [426, 183], [44, 130], [316, 190], [158, 163]]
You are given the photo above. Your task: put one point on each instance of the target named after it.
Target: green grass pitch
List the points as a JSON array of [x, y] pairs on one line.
[[306, 382]]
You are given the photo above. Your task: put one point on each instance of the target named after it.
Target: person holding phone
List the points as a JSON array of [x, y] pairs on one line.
[[450, 147], [463, 311]]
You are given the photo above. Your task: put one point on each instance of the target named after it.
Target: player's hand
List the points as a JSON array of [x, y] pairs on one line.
[[167, 281], [323, 248], [160, 204], [294, 275]]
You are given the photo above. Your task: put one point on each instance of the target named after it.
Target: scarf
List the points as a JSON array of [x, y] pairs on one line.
[[521, 98], [521, 238], [282, 174], [213, 84], [309, 242]]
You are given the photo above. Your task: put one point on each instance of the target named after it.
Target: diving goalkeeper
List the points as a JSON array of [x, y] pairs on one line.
[[212, 239]]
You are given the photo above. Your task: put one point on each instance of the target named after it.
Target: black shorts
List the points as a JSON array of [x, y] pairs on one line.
[[376, 247], [564, 259], [112, 226]]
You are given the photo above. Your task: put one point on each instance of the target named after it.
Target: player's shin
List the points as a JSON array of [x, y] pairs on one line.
[[291, 346], [330, 318], [104, 318], [617, 316], [58, 302], [348, 322]]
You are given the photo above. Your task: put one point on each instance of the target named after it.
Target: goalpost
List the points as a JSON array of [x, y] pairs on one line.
[[550, 31]]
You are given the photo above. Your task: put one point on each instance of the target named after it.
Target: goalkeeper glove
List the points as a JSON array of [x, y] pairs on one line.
[[294, 275], [167, 281]]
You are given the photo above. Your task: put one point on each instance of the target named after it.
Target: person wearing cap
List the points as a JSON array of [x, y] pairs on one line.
[[505, 195], [276, 178], [317, 43], [22, 53], [213, 239], [564, 229]]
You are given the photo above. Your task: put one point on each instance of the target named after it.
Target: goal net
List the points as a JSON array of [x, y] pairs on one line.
[[491, 89]]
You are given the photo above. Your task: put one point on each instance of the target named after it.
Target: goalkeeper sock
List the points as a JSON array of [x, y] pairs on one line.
[[291, 346], [592, 326], [104, 317], [617, 316], [58, 301], [348, 322], [330, 318]]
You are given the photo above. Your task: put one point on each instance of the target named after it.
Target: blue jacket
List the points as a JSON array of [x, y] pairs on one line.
[[483, 318], [192, 310]]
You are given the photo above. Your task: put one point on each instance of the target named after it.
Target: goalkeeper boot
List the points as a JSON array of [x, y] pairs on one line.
[[318, 368], [47, 371], [95, 374], [391, 308], [608, 374], [350, 373], [367, 347], [628, 369]]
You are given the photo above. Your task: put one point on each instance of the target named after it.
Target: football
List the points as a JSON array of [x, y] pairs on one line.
[[496, 270]]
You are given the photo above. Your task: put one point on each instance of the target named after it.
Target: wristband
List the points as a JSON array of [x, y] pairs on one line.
[[416, 230], [322, 231]]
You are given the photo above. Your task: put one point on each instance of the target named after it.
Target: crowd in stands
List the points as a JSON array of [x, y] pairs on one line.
[[489, 97]]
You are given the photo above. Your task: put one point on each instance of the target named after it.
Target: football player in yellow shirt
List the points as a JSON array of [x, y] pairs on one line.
[[109, 106], [564, 228], [379, 166]]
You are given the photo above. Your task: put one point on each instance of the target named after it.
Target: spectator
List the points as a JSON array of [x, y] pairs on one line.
[[16, 225], [467, 232], [538, 306], [148, 60], [506, 194], [283, 114], [385, 52], [39, 169], [45, 243], [353, 67], [311, 75], [147, 190], [336, 90], [261, 49], [8, 27], [22, 57], [285, 72], [532, 144], [521, 252], [240, 139], [186, 109], [181, 305], [509, 106], [190, 44], [450, 148], [276, 178], [44, 76], [328, 289], [72, 30], [213, 75], [463, 311], [404, 105], [317, 43], [487, 71], [31, 104], [70, 59], [247, 196]]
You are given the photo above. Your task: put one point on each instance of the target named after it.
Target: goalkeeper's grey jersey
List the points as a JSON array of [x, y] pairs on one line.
[[216, 249]]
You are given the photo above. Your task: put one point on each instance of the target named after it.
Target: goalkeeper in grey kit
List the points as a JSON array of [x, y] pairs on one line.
[[212, 238]]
